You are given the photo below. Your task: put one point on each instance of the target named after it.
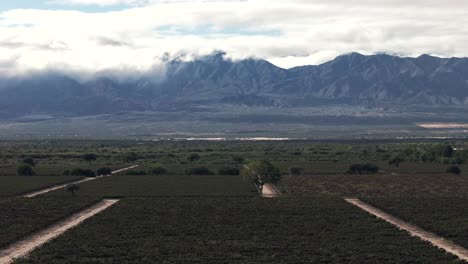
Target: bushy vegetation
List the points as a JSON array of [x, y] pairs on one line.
[[81, 172], [160, 170], [237, 230], [454, 170], [25, 170], [363, 169], [135, 172], [228, 171], [199, 171], [104, 171]]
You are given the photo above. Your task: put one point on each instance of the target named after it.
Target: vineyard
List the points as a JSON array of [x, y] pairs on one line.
[[177, 206], [20, 216], [236, 230], [14, 185], [447, 217]]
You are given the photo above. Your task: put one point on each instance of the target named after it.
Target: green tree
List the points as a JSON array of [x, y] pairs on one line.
[[395, 161], [131, 157], [25, 170], [29, 161], [193, 157], [262, 171], [104, 171], [454, 170], [90, 157]]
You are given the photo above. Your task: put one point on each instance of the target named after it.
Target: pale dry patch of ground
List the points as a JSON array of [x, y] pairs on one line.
[[443, 125]]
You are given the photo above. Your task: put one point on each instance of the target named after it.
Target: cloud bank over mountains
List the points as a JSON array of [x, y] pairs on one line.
[[143, 34]]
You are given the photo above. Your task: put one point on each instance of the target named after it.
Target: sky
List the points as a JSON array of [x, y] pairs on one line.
[[141, 35]]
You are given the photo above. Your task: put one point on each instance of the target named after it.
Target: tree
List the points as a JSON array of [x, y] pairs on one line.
[[454, 170], [193, 157], [363, 169], [131, 157], [395, 161], [25, 170], [262, 172], [228, 171], [238, 160], [29, 161], [90, 157], [199, 171], [295, 171], [81, 172], [72, 188], [104, 171], [160, 170], [447, 151]]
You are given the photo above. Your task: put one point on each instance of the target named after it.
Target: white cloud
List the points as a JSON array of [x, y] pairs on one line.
[[288, 33]]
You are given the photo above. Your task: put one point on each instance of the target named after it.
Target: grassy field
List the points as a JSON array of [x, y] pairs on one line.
[[14, 185], [447, 217], [380, 185], [20, 217], [170, 185], [236, 230]]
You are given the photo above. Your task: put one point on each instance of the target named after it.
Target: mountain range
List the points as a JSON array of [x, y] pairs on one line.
[[353, 79]]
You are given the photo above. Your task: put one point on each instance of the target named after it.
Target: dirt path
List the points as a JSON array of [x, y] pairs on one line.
[[270, 191], [61, 186], [435, 240], [28, 244]]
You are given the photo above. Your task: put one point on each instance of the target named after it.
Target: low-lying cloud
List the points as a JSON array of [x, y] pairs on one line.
[[287, 33]]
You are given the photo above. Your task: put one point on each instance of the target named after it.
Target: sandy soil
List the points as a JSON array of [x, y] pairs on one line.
[[435, 240], [61, 186], [442, 125], [270, 191], [28, 244]]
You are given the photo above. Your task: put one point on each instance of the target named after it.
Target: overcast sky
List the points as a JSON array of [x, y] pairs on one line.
[[137, 35]]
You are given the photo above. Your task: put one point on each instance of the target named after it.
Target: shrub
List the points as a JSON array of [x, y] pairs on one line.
[[262, 171], [193, 157], [136, 172], [199, 171], [454, 170], [25, 170], [295, 171], [82, 172], [228, 171], [363, 169], [159, 170], [104, 171], [29, 161]]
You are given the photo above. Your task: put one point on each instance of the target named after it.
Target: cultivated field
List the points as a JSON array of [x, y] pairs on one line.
[[194, 202]]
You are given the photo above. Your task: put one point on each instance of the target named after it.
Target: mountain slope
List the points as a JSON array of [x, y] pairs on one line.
[[352, 79]]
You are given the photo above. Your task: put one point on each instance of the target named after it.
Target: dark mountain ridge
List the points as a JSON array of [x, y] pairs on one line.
[[351, 79]]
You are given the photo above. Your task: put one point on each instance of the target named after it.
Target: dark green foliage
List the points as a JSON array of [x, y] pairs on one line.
[[82, 172], [363, 169], [135, 172], [446, 216], [199, 171], [25, 170], [90, 157], [454, 170], [159, 170], [193, 157], [395, 161], [238, 160], [264, 170], [237, 230], [104, 171], [22, 216], [295, 171], [131, 157], [29, 161], [228, 171]]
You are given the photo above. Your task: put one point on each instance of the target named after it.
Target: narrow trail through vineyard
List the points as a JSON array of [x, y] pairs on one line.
[[434, 239], [61, 186], [28, 244]]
